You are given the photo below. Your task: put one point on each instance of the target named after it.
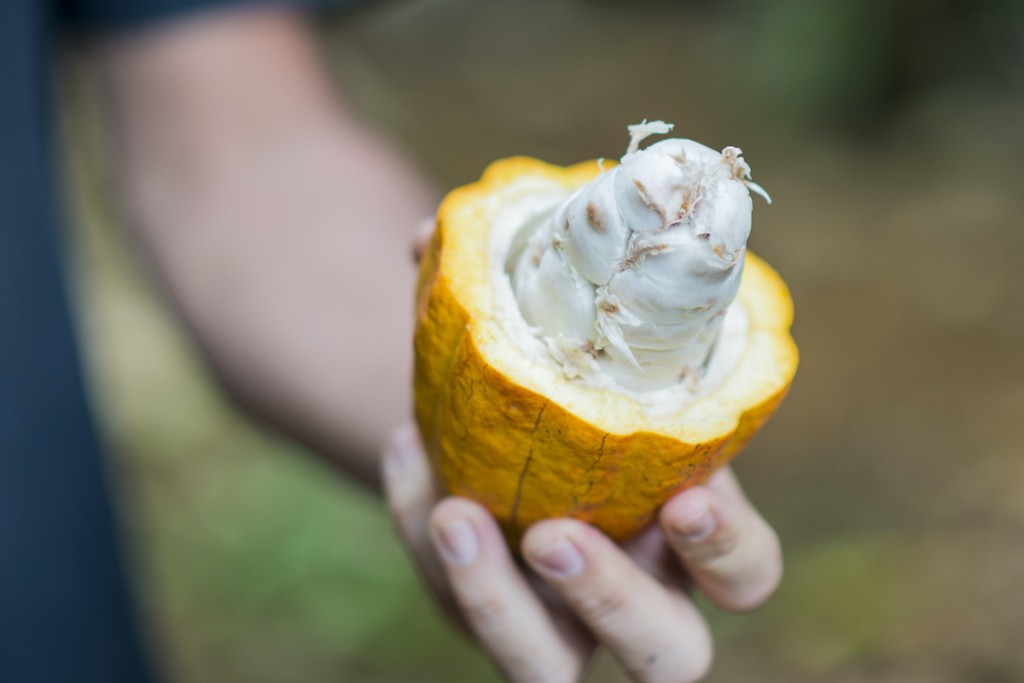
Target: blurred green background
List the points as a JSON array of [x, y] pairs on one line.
[[890, 136]]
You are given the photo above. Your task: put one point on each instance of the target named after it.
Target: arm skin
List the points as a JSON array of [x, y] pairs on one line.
[[273, 220]]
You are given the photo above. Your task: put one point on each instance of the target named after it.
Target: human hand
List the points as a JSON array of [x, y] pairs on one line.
[[543, 622]]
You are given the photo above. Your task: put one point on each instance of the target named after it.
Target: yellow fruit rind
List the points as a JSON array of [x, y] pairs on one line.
[[523, 456]]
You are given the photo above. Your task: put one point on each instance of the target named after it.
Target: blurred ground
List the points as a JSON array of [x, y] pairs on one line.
[[890, 139]]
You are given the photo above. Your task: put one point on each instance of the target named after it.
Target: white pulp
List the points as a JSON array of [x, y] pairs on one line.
[[633, 274]]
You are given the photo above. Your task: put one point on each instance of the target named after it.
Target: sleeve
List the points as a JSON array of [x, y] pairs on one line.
[[126, 14]]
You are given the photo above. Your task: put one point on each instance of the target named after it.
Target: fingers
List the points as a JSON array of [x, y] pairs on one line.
[[464, 557], [653, 630], [522, 636], [411, 494], [421, 237], [650, 552], [728, 548]]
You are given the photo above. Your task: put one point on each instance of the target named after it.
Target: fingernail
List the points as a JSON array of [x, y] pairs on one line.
[[457, 542], [561, 560], [696, 526]]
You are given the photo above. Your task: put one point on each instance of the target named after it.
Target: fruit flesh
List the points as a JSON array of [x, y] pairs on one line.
[[633, 274]]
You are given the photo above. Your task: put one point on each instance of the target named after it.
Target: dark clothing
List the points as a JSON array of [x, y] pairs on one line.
[[65, 612]]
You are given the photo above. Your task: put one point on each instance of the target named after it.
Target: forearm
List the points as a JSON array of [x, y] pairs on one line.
[[278, 226]]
